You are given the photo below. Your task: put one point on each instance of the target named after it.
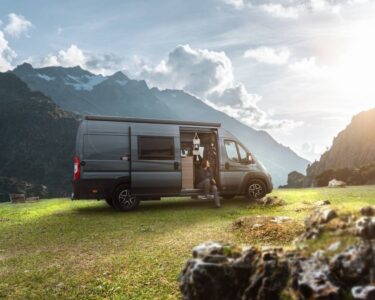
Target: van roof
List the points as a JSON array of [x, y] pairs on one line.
[[153, 121]]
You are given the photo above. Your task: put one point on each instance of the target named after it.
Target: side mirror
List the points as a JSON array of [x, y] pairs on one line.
[[250, 158]]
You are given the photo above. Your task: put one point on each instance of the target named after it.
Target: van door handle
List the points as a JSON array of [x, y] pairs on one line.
[[126, 157], [227, 166], [176, 165]]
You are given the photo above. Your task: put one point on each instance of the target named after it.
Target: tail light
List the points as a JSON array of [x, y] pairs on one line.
[[77, 168]]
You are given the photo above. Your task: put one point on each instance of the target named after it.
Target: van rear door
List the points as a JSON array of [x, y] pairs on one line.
[[155, 160]]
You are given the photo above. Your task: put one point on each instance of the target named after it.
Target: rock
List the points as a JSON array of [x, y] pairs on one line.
[[368, 211], [224, 271], [365, 227], [363, 292], [354, 266], [334, 247], [315, 223], [322, 203], [209, 248], [214, 273], [336, 184], [310, 280], [271, 201]]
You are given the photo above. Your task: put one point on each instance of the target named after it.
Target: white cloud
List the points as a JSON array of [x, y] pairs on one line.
[[17, 25], [309, 68], [280, 11], [293, 9], [6, 54], [74, 56], [269, 55], [209, 75]]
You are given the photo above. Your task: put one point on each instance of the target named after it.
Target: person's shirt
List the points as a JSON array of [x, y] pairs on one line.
[[204, 174]]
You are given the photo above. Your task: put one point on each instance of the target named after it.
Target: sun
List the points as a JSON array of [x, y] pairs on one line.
[[355, 73]]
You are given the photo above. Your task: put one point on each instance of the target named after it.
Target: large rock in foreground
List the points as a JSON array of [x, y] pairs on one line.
[[229, 272]]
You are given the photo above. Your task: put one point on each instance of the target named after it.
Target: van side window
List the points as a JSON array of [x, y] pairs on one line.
[[231, 149], [156, 148], [243, 153]]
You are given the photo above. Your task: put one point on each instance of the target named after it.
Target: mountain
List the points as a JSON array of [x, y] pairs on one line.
[[353, 147], [37, 140], [82, 92]]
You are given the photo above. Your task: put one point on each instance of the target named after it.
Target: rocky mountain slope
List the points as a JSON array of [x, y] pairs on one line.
[[37, 139], [352, 148], [82, 92]]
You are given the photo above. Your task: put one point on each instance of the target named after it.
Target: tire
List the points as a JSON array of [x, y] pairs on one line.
[[123, 200], [109, 202], [256, 189], [228, 197]]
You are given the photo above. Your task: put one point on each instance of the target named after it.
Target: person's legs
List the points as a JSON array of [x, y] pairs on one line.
[[216, 195], [205, 186]]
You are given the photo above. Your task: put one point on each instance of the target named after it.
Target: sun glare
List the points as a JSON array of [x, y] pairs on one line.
[[355, 72]]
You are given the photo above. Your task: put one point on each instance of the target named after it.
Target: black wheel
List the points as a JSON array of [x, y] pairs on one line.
[[228, 197], [256, 189], [109, 202], [123, 200]]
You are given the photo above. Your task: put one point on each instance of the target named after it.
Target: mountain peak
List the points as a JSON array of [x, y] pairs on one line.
[[24, 67], [119, 76]]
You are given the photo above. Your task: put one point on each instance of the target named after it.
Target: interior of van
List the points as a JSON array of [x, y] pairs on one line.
[[197, 145]]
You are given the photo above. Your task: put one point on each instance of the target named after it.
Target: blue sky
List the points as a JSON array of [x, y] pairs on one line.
[[296, 68]]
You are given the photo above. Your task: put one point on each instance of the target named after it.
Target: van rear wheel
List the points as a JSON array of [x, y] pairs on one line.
[[123, 200], [256, 189]]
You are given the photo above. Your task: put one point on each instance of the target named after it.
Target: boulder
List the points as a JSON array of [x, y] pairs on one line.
[[336, 183], [363, 292], [365, 227], [271, 201]]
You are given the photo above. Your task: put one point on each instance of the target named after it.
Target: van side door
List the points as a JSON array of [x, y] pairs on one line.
[[233, 169], [156, 163]]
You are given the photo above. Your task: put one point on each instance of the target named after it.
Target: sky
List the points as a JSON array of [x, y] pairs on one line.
[[299, 69]]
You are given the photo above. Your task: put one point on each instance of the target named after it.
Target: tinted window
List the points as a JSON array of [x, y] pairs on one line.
[[242, 152], [231, 149], [105, 147], [154, 147]]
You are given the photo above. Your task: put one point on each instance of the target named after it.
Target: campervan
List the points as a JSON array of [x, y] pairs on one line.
[[128, 160]]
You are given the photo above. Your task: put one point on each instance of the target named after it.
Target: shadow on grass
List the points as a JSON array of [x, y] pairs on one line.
[[166, 205]]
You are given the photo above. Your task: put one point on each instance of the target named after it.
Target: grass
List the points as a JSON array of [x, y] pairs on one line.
[[83, 249]]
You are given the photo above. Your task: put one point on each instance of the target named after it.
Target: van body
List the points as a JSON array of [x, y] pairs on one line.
[[126, 160]]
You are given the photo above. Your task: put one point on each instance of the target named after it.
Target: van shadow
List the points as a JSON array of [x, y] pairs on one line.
[[165, 205]]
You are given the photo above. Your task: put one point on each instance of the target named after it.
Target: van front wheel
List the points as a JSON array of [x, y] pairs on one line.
[[123, 199], [256, 189]]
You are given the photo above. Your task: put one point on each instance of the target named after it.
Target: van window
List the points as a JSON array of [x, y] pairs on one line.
[[231, 149], [242, 152], [155, 148], [105, 147]]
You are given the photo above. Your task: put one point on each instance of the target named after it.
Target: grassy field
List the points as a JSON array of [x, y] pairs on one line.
[[83, 249]]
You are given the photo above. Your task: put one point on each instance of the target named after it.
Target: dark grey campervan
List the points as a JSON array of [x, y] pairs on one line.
[[126, 160]]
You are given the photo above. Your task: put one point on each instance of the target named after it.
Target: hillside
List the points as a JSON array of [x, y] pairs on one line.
[[37, 139], [80, 91], [353, 147]]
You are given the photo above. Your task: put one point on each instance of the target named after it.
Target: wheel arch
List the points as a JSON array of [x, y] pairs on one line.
[[256, 176]]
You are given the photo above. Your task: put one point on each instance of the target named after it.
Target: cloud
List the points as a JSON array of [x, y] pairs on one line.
[[309, 68], [6, 54], [17, 25], [269, 55], [293, 9], [74, 56], [209, 75], [279, 11]]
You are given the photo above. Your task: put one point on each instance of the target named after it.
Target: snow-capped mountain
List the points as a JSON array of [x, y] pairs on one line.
[[82, 92]]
